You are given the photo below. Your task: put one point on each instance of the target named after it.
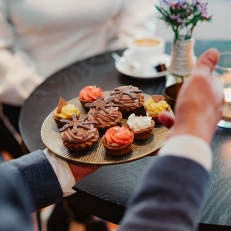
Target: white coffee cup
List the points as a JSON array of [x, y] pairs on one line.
[[144, 53]]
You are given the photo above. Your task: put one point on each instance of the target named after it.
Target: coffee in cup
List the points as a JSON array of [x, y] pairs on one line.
[[144, 53], [146, 42]]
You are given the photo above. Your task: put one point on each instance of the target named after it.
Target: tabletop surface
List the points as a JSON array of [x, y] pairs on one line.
[[107, 197]]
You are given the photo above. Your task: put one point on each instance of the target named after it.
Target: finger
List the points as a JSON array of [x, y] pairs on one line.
[[166, 119], [207, 61]]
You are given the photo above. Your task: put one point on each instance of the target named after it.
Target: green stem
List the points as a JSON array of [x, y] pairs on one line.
[[175, 30], [189, 34], [162, 11]]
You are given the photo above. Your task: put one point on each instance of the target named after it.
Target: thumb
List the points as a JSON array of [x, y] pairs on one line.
[[206, 62], [166, 119]]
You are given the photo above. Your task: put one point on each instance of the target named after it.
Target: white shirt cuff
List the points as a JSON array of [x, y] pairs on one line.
[[63, 173], [190, 147]]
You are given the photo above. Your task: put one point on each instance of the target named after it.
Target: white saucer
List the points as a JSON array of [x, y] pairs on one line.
[[147, 74]]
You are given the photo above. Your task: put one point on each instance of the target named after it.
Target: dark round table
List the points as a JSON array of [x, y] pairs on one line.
[[106, 192]]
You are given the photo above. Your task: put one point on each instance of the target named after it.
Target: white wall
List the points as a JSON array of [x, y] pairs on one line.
[[218, 28]]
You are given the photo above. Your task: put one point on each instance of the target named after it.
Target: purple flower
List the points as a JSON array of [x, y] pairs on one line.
[[165, 3], [206, 16], [202, 7], [169, 3], [177, 18], [181, 2], [194, 2], [173, 16]]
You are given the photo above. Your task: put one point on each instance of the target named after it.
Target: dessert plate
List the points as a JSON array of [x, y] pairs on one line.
[[141, 74], [97, 154]]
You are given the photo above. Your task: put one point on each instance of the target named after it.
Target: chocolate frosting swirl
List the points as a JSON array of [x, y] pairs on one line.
[[77, 131], [127, 95], [101, 117], [80, 134]]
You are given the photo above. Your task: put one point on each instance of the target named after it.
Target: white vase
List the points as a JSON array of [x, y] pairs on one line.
[[182, 62]]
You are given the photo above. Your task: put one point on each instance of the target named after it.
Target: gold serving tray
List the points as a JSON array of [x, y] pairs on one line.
[[97, 154]]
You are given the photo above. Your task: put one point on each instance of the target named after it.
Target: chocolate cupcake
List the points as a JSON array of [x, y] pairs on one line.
[[104, 113], [127, 98], [79, 135]]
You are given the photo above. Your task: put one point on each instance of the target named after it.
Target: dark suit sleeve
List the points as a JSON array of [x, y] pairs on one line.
[[169, 196], [33, 175], [13, 207]]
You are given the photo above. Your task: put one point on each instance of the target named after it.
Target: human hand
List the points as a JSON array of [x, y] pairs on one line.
[[81, 170], [199, 103]]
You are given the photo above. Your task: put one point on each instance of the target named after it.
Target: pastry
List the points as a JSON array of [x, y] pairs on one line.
[[89, 94], [104, 113], [79, 135], [117, 140], [64, 111], [141, 126], [128, 98], [155, 105]]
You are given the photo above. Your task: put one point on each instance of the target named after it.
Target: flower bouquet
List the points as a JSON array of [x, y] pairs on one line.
[[183, 16]]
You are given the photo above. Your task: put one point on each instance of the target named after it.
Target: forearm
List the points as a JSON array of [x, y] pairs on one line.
[[44, 177], [34, 175], [169, 188], [175, 181]]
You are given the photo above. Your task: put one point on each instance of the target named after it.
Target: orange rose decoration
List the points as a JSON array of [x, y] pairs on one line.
[[90, 93], [118, 135]]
